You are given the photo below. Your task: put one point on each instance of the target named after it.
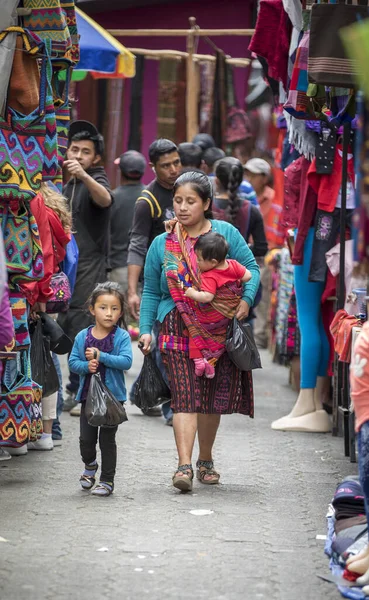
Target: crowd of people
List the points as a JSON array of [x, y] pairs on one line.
[[181, 255]]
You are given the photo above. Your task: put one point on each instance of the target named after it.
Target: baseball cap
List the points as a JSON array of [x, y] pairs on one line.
[[79, 126], [258, 166], [132, 163]]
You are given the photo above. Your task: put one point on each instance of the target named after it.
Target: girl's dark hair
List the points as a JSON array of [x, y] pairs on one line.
[[109, 287], [229, 172], [200, 184], [213, 246]]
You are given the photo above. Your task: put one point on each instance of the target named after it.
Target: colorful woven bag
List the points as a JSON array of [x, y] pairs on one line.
[[48, 20], [16, 405], [59, 301], [22, 137], [19, 308], [36, 427], [23, 250], [51, 170]]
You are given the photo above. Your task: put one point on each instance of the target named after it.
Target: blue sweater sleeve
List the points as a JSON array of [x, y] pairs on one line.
[[76, 363], [121, 357], [151, 293], [240, 251]]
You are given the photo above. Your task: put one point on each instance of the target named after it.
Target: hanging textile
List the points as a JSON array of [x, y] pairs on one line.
[[23, 154], [181, 133], [49, 21], [271, 39], [8, 18], [220, 101], [207, 76], [135, 109], [167, 100], [68, 7], [238, 126]]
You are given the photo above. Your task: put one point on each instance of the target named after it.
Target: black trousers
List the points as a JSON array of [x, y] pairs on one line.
[[88, 441]]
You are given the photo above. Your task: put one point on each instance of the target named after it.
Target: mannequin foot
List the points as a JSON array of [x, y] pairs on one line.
[[304, 403], [363, 554], [316, 421], [360, 566]]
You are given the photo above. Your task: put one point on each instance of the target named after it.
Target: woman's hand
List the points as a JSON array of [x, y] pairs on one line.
[[90, 354], [243, 311], [93, 365], [144, 343]]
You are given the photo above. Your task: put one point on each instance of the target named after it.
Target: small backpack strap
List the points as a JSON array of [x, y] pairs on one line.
[[153, 203]]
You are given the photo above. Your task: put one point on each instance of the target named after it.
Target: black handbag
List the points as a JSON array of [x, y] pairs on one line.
[[241, 347], [102, 408], [328, 63]]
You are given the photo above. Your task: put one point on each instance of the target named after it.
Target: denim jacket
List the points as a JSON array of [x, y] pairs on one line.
[[116, 362]]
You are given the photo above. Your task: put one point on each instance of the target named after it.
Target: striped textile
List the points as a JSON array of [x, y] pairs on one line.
[[206, 323]]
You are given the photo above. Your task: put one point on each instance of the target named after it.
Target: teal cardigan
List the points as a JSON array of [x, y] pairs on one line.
[[156, 299]]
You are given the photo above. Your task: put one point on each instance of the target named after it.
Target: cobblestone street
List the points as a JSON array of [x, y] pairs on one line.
[[258, 542]]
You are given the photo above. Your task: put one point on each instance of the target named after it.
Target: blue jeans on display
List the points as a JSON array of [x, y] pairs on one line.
[[363, 450], [57, 431], [314, 342]]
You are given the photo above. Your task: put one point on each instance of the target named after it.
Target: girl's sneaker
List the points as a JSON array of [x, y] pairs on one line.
[[88, 477], [104, 488]]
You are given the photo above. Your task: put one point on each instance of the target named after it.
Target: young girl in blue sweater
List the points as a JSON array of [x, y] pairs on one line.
[[104, 348]]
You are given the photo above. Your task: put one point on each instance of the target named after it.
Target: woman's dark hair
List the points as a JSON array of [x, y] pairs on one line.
[[229, 172], [200, 184], [114, 289], [212, 246], [159, 148]]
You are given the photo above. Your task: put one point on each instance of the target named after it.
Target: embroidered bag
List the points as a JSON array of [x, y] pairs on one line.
[[15, 406], [59, 301], [22, 137], [52, 169], [19, 308], [328, 63], [23, 250], [49, 21]]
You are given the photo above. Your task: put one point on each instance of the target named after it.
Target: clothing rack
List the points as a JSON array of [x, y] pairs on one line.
[[192, 36]]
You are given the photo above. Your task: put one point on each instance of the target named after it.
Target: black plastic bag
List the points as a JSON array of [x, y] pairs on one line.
[[241, 346], [150, 387], [102, 408], [51, 382], [39, 360]]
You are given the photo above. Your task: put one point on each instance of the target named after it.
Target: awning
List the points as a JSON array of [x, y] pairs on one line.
[[100, 52]]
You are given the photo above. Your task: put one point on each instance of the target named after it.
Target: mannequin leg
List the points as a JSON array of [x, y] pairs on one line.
[[306, 415]]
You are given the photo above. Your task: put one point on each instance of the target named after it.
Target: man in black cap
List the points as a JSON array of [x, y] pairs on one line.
[[132, 165], [89, 197]]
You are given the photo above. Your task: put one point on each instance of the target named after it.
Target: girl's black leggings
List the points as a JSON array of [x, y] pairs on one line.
[[88, 441]]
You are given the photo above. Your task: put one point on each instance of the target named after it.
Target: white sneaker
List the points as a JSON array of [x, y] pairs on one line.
[[42, 444], [4, 454], [76, 411], [21, 451]]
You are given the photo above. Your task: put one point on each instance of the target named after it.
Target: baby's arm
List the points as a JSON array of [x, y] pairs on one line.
[[203, 297], [247, 276]]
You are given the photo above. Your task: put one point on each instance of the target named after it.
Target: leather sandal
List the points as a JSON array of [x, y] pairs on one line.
[[88, 481], [204, 468], [183, 482]]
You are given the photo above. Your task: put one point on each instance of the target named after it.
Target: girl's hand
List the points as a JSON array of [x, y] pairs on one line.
[[93, 365], [243, 311], [90, 354], [144, 343]]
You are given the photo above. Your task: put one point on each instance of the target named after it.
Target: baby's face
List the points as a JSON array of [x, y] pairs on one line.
[[205, 265]]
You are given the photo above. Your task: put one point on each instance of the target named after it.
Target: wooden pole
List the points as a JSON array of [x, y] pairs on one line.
[[178, 54], [191, 90], [179, 32]]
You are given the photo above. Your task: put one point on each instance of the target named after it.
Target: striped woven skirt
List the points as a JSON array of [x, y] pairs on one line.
[[231, 390]]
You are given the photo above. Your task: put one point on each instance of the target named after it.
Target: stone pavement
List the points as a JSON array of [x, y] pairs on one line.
[[258, 542]]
